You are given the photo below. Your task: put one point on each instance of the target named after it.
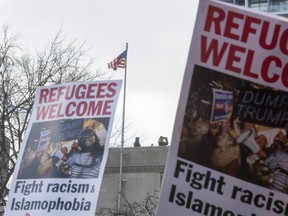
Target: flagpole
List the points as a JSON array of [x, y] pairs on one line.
[[119, 210]]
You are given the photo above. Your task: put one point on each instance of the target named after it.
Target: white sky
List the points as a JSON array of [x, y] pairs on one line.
[[158, 32]]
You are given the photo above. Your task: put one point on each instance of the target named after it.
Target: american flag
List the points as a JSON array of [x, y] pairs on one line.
[[118, 62]]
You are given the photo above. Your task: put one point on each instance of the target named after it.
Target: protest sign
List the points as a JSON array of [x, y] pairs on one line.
[[63, 155], [228, 153]]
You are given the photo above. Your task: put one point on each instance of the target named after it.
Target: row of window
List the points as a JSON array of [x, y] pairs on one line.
[[271, 6]]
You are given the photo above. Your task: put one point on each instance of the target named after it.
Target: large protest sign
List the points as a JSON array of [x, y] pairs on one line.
[[229, 146], [63, 155]]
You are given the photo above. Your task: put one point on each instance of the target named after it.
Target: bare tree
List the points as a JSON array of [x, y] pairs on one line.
[[146, 207], [115, 137], [20, 73]]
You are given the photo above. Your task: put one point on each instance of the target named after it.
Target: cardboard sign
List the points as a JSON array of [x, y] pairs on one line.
[[63, 155], [228, 153]]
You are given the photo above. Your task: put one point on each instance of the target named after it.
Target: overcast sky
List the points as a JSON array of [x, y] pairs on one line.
[[158, 33]]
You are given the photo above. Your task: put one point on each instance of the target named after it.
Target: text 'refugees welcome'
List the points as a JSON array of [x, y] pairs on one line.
[[246, 45], [76, 100]]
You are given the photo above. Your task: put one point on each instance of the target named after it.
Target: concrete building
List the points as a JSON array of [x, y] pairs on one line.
[[277, 7], [143, 169]]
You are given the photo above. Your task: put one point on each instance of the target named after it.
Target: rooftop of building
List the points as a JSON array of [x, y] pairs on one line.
[[137, 159]]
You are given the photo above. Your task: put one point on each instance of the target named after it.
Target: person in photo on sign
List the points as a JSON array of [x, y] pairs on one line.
[[277, 162], [44, 168], [86, 162], [226, 157]]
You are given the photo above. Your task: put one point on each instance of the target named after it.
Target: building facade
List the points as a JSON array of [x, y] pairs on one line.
[[277, 7], [142, 173]]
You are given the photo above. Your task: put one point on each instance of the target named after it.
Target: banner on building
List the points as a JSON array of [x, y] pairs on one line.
[[63, 155], [229, 146]]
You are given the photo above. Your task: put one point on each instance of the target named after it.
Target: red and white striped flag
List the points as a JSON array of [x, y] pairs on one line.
[[118, 62]]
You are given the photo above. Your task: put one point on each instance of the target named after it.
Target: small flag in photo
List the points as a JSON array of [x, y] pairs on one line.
[[118, 62]]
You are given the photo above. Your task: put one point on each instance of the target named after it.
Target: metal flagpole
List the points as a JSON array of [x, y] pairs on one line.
[[122, 139]]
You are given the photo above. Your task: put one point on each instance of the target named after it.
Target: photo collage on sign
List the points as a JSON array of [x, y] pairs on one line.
[[237, 128], [64, 149]]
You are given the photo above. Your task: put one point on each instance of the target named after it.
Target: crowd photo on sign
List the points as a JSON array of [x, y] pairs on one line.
[[238, 128], [64, 149]]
